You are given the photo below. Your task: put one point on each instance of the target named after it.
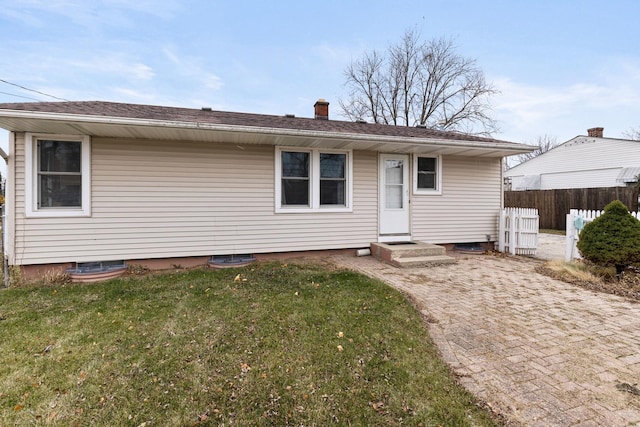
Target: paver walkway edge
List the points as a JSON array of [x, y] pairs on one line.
[[537, 350]]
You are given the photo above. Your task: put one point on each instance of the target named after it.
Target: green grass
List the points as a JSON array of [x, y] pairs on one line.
[[252, 346]]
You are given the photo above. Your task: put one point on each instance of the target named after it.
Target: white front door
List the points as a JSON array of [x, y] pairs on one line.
[[394, 197]]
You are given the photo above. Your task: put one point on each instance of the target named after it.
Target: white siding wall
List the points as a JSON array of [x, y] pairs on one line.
[[469, 205], [582, 162], [166, 199], [575, 179]]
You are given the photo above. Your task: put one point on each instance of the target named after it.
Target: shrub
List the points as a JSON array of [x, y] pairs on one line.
[[612, 239]]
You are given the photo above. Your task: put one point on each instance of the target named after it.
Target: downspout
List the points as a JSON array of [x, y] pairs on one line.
[[502, 166], [5, 260], [499, 238]]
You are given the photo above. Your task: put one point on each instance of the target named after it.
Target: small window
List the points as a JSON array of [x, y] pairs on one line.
[[97, 266], [312, 180], [427, 175], [57, 175]]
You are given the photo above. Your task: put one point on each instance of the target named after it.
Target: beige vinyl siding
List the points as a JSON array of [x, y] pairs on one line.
[[157, 199], [10, 198], [469, 205], [19, 199]]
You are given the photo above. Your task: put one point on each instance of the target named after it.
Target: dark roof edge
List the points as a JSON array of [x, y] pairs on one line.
[[483, 143]]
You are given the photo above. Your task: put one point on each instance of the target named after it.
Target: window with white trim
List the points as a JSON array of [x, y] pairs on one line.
[[296, 178], [333, 179], [57, 175], [427, 174], [313, 180]]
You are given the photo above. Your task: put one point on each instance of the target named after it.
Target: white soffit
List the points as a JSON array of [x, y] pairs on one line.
[[166, 130]]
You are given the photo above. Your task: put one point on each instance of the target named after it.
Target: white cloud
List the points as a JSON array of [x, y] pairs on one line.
[[20, 14], [126, 94], [33, 12], [142, 71], [88, 14], [191, 67], [338, 55], [213, 82], [115, 65], [529, 109], [163, 9]]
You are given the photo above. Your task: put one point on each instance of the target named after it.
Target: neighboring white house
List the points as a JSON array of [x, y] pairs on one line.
[[582, 162], [109, 182]]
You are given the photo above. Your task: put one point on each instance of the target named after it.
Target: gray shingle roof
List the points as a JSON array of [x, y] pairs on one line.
[[190, 115]]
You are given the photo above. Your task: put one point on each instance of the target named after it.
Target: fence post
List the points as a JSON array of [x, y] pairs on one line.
[[512, 231], [569, 237], [501, 229]]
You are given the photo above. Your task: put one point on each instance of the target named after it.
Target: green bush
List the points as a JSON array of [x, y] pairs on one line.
[[612, 239]]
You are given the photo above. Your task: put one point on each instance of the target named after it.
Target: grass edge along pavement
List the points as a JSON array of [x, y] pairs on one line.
[[268, 344]]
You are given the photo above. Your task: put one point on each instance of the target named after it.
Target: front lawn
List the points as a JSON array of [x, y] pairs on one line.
[[269, 344]]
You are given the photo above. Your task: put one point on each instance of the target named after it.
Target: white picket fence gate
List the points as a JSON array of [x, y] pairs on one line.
[[572, 232], [518, 228]]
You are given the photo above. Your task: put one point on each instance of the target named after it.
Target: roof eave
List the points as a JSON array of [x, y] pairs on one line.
[[396, 143]]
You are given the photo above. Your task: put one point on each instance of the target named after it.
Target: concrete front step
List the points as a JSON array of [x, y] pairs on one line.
[[422, 261], [411, 254], [407, 249]]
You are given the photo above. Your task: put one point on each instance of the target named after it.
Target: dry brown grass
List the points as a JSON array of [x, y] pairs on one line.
[[573, 271], [595, 278]]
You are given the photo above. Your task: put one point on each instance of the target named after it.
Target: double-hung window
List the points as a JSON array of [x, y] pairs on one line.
[[333, 180], [57, 175], [296, 178], [312, 180], [427, 175]]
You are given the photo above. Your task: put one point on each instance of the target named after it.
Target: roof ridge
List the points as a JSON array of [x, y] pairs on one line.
[[248, 119]]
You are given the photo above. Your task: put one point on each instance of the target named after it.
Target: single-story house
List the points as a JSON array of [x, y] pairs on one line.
[[589, 161], [159, 186]]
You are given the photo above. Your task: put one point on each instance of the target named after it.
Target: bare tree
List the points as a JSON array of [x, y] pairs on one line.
[[543, 144], [419, 83], [632, 133]]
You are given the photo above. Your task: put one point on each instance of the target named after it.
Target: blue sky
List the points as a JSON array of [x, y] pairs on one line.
[[561, 66]]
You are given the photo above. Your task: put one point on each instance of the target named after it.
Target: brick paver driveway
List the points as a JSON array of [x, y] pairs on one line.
[[537, 350]]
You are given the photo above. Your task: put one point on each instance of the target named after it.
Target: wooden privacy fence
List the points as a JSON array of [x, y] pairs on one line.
[[553, 205], [518, 231], [579, 218]]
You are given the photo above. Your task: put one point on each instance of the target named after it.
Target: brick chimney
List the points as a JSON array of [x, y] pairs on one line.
[[595, 132], [321, 109]]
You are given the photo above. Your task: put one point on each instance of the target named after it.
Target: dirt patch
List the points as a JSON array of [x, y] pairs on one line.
[[626, 286]]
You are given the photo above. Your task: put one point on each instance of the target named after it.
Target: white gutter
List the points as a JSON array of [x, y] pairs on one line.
[[447, 143]]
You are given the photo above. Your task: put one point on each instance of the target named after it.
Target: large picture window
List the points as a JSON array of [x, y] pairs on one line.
[[427, 175], [312, 180], [57, 175]]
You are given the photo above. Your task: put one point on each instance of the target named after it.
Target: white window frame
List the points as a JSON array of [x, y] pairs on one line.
[[427, 191], [31, 177], [314, 180]]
